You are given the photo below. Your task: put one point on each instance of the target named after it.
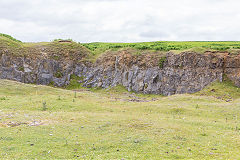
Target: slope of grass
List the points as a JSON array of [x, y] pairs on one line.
[[54, 50], [9, 37], [109, 124], [226, 90], [176, 46], [10, 46]]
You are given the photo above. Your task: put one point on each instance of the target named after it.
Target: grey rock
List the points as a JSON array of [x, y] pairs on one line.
[[187, 72]]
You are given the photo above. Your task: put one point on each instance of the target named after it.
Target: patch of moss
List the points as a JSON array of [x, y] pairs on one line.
[[21, 68], [161, 61], [145, 86], [74, 82], [56, 57], [51, 84], [180, 66], [58, 74]]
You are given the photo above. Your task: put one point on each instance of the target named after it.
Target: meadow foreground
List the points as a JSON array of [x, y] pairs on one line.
[[44, 122]]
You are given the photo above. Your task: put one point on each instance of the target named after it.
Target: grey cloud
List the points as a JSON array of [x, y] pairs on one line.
[[155, 34], [120, 20]]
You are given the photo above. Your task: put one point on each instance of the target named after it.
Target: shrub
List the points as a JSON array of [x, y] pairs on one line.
[[2, 98], [57, 40], [44, 106]]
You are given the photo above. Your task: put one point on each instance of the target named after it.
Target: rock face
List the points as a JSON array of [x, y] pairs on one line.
[[187, 72]]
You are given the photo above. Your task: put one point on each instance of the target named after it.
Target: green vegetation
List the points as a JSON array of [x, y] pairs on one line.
[[161, 61], [9, 37], [74, 82], [229, 93], [97, 48], [165, 46], [44, 107], [21, 69], [41, 122], [68, 49], [58, 74], [10, 45], [67, 40], [56, 50]]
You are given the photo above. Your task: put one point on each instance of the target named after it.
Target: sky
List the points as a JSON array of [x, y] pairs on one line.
[[121, 20]]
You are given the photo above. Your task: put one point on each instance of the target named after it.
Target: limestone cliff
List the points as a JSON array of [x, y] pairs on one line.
[[149, 73]]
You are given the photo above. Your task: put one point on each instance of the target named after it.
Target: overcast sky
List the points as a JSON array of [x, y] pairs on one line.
[[120, 20]]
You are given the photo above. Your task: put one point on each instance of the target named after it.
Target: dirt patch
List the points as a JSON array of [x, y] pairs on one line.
[[133, 98], [128, 58], [29, 123]]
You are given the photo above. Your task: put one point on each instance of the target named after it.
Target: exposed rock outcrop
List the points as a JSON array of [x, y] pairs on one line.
[[187, 72]]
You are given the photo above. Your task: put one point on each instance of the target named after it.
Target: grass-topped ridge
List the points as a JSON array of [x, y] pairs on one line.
[[9, 37], [57, 49], [92, 51]]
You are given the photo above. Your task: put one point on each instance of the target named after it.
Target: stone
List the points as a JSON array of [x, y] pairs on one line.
[[188, 72]]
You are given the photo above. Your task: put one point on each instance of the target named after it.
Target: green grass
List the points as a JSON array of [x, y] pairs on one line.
[[161, 47], [107, 124], [225, 91], [74, 83], [9, 46], [9, 37], [92, 51], [161, 61], [166, 45], [54, 50]]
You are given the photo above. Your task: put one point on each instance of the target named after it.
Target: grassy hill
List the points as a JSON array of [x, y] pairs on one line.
[[55, 49], [49, 123], [92, 51]]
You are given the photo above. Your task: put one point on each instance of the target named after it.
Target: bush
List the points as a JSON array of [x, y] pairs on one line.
[[44, 106], [57, 40], [220, 48]]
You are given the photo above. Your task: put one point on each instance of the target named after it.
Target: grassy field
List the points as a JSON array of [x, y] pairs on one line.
[[177, 46], [43, 122]]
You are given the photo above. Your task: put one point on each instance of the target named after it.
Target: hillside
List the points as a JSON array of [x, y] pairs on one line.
[[165, 68], [95, 49], [54, 50]]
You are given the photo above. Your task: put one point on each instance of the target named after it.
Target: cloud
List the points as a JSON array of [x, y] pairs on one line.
[[120, 20]]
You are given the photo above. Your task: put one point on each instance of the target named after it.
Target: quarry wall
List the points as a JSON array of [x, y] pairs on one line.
[[187, 72]]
